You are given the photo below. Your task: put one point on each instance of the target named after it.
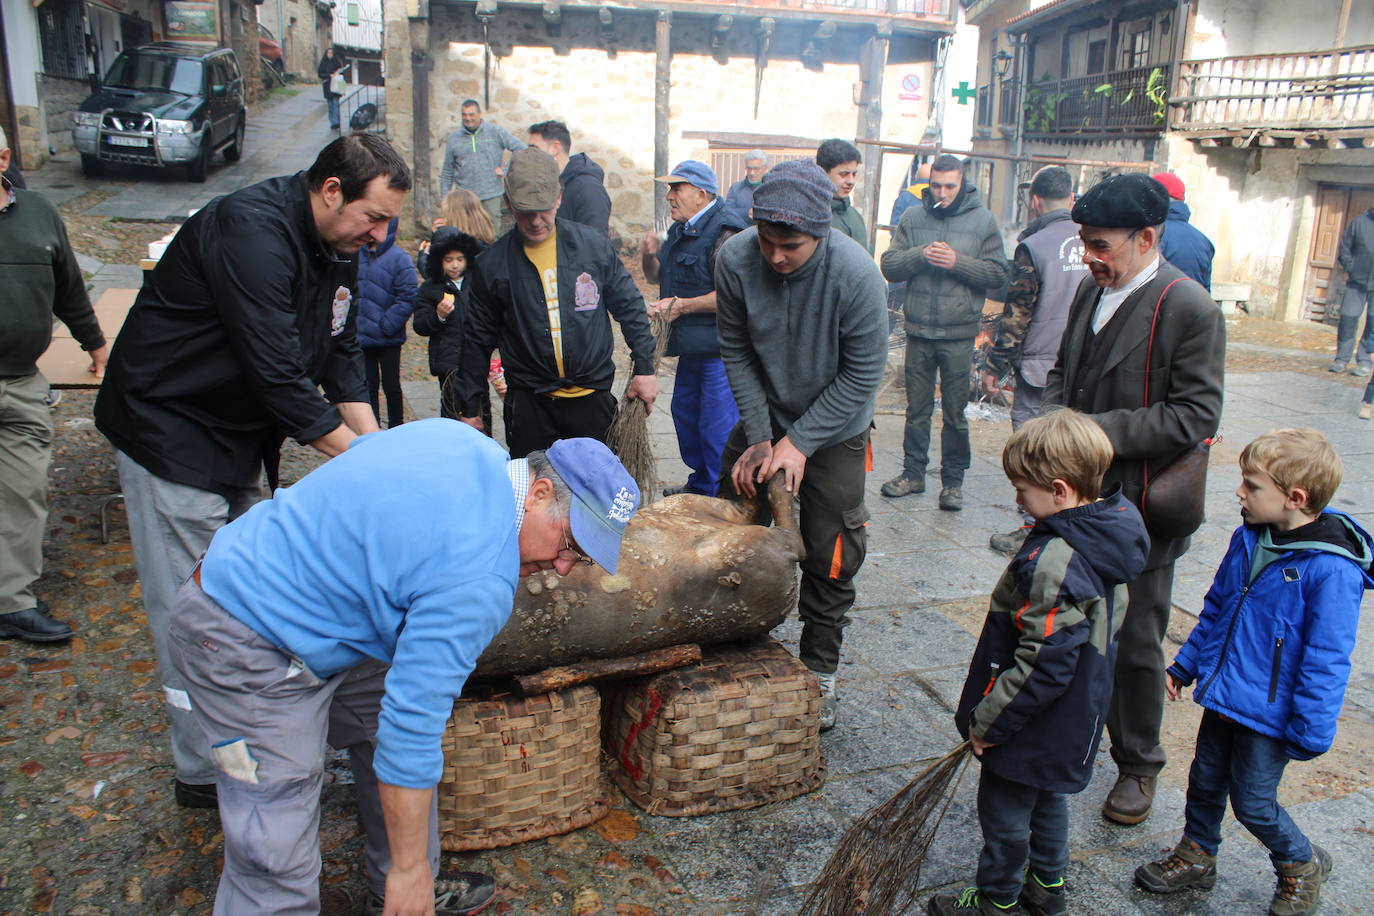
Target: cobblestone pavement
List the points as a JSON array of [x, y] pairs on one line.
[[88, 826]]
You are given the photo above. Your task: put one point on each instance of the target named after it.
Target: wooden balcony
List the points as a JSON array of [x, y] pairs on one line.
[[1119, 102], [904, 14], [1325, 91]]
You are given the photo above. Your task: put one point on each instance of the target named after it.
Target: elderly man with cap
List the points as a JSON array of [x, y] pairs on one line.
[[802, 321], [1142, 355], [1183, 245], [740, 197], [704, 411], [356, 621], [544, 293]]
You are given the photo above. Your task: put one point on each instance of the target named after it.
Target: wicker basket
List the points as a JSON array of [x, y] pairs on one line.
[[742, 729], [520, 768]]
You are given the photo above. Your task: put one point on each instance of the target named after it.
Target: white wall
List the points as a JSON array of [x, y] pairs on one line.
[[1227, 28], [23, 50]]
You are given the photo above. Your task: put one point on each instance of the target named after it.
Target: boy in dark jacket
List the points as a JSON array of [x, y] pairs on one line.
[[1271, 657], [440, 312], [1041, 677], [386, 297]]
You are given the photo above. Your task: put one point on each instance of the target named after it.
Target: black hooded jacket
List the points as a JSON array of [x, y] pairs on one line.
[[585, 199], [1041, 677], [445, 334]]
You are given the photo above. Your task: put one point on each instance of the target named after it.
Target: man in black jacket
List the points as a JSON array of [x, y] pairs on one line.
[[544, 293], [40, 278], [585, 199], [245, 318], [1357, 260]]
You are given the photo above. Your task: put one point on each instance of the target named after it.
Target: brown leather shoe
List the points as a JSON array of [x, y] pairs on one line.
[[1130, 799]]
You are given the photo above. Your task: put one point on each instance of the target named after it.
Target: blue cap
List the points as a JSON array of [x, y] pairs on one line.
[[605, 497], [697, 174]]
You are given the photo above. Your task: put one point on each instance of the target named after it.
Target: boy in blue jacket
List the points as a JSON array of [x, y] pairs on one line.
[[1270, 656], [1038, 687]]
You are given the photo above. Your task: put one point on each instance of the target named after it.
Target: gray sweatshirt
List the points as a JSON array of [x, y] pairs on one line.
[[471, 159], [804, 351]]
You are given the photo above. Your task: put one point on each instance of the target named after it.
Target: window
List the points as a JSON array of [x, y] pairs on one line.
[[1097, 56], [155, 71], [1138, 49], [355, 14], [63, 39]]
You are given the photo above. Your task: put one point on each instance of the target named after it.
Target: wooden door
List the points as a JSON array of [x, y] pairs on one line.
[[1325, 279]]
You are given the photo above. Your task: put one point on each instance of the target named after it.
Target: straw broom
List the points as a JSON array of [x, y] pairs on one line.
[[876, 868], [629, 433]]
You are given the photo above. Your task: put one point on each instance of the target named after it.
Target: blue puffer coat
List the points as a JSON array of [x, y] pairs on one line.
[[386, 293], [1274, 653], [1184, 246]]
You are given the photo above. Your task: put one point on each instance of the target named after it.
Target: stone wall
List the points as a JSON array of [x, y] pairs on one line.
[[606, 95], [60, 98]]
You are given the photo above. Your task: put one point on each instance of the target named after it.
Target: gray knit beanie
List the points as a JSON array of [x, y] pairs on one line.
[[795, 193]]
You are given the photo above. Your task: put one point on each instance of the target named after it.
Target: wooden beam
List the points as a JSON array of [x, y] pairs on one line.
[[663, 59], [1342, 22], [1367, 142], [1209, 142], [1302, 143], [873, 56], [1267, 140], [1334, 143]]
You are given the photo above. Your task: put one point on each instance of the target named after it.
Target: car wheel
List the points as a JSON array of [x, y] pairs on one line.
[[234, 151], [200, 166], [91, 166]]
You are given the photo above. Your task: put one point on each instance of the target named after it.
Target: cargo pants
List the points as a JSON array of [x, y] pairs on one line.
[[267, 717], [833, 519]]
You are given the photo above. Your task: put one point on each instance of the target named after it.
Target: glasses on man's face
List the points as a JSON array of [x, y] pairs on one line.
[[1097, 249], [569, 552]]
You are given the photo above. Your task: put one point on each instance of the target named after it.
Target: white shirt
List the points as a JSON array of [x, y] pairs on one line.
[[518, 469], [1112, 298]]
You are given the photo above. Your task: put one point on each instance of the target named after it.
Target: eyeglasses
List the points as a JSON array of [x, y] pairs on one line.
[[1097, 249], [569, 552]]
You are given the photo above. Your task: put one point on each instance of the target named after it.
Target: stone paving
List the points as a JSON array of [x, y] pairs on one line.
[[87, 825]]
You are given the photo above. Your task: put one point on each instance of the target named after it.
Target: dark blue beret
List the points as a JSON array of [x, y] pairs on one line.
[[1130, 201]]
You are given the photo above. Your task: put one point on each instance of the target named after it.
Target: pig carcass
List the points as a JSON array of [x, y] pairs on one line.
[[692, 570]]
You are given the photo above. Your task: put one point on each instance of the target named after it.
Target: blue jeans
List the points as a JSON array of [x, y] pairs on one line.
[[1240, 762], [1355, 303], [1019, 822], [332, 102], [704, 412]]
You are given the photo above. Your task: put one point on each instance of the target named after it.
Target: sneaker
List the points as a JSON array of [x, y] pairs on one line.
[[1185, 868], [1337, 366], [1009, 543], [970, 903], [1300, 885], [196, 795], [951, 499], [1130, 799], [830, 701], [904, 486], [456, 893], [1365, 410], [52, 398], [1359, 370], [1041, 899]]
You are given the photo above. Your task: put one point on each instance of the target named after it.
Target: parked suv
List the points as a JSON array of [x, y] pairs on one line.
[[164, 104]]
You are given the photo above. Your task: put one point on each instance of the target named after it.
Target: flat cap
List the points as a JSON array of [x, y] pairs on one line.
[[1131, 201], [532, 181]]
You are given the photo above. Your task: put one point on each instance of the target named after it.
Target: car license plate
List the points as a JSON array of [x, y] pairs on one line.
[[127, 141]]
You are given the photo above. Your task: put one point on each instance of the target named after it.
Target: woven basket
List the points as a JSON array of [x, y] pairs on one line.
[[742, 729], [520, 768]]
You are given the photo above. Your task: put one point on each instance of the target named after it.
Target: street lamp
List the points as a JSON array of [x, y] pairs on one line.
[[1001, 62]]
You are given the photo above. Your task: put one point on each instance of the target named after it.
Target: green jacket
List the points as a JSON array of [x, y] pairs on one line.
[[845, 218], [947, 304]]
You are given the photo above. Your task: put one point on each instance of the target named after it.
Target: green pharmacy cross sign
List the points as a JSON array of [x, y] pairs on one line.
[[963, 93]]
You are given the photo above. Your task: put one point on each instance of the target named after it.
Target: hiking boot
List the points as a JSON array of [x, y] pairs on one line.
[[1041, 899], [456, 893], [1130, 799], [1185, 868], [830, 701], [1336, 366], [951, 499], [1300, 885], [1366, 410], [970, 903], [904, 486], [1359, 370], [1010, 543]]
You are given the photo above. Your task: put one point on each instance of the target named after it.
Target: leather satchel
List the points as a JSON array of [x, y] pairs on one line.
[[1173, 499]]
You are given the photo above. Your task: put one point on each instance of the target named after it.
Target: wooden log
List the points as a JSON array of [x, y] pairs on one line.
[[551, 679]]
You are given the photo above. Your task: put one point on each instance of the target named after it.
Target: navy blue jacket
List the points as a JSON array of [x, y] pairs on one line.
[[1185, 247], [686, 264], [386, 293], [1041, 677], [1272, 651]]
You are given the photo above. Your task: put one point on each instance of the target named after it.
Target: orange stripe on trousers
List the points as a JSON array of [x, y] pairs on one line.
[[837, 558]]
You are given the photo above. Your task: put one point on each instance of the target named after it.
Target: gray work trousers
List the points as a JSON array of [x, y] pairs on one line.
[[171, 525], [1025, 402], [25, 453], [267, 717], [952, 361], [1137, 708]]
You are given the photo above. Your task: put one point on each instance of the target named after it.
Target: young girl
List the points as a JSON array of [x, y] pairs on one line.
[[439, 313], [386, 296], [461, 210]]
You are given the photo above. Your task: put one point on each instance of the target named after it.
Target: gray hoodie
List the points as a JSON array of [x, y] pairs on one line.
[[804, 351]]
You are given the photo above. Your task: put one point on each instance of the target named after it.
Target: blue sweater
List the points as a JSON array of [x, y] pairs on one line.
[[386, 293], [419, 572], [1272, 647]]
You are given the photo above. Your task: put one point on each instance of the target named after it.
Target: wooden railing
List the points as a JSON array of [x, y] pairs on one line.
[[1120, 101], [1319, 90]]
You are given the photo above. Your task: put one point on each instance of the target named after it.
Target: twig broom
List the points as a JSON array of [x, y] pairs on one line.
[[629, 433], [876, 868]]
